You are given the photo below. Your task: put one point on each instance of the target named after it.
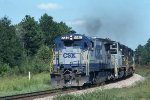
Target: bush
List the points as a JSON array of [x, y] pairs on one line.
[[41, 62], [38, 66], [35, 64], [44, 54], [4, 69]]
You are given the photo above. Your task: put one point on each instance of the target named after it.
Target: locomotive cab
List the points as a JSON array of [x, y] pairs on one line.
[[70, 63]]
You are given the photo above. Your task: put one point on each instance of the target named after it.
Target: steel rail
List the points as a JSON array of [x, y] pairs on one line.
[[32, 94]]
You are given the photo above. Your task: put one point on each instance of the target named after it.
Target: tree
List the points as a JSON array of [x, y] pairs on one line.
[[30, 35], [27, 45], [62, 29], [138, 54], [142, 54], [44, 54], [10, 47], [47, 28], [147, 50], [51, 29]]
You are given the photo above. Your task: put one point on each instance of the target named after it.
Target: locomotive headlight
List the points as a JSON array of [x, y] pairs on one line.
[[75, 70]]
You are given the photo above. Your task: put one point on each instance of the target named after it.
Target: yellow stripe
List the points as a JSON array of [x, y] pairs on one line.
[[51, 62], [127, 63]]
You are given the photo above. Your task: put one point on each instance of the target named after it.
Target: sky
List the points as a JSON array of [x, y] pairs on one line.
[[125, 21]]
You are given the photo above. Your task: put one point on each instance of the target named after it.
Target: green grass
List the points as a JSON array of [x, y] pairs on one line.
[[139, 92], [21, 84]]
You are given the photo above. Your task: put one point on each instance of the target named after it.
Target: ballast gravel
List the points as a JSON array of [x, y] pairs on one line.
[[128, 82]]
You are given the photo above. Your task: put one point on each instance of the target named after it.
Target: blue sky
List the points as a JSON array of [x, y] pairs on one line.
[[126, 21]]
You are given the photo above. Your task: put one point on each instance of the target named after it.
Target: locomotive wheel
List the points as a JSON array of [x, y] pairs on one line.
[[103, 83], [79, 87], [131, 71], [98, 84]]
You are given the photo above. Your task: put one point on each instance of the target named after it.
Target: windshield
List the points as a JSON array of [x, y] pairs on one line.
[[113, 51], [68, 43]]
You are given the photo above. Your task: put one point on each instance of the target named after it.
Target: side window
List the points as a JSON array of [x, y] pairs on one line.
[[92, 44], [85, 45], [98, 52]]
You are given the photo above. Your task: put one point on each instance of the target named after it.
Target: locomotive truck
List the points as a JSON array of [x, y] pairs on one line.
[[79, 60]]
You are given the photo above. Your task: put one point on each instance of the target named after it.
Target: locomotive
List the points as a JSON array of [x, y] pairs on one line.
[[79, 60]]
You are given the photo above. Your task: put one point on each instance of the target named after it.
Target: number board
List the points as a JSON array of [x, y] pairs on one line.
[[71, 37]]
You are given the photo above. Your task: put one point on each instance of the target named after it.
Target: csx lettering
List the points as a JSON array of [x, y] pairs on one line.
[[69, 55]]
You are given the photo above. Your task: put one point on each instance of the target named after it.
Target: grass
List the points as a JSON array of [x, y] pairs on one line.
[[21, 84], [139, 92]]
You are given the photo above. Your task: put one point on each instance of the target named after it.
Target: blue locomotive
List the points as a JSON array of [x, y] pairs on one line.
[[79, 60]]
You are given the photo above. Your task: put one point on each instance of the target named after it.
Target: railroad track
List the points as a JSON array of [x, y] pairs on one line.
[[34, 95]]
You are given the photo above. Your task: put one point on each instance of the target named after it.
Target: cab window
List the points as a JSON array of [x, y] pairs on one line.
[[74, 43]]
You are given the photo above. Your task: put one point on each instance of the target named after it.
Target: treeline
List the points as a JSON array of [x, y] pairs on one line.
[[142, 54], [27, 45]]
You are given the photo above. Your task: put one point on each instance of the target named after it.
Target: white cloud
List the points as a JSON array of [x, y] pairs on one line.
[[79, 22], [49, 6]]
